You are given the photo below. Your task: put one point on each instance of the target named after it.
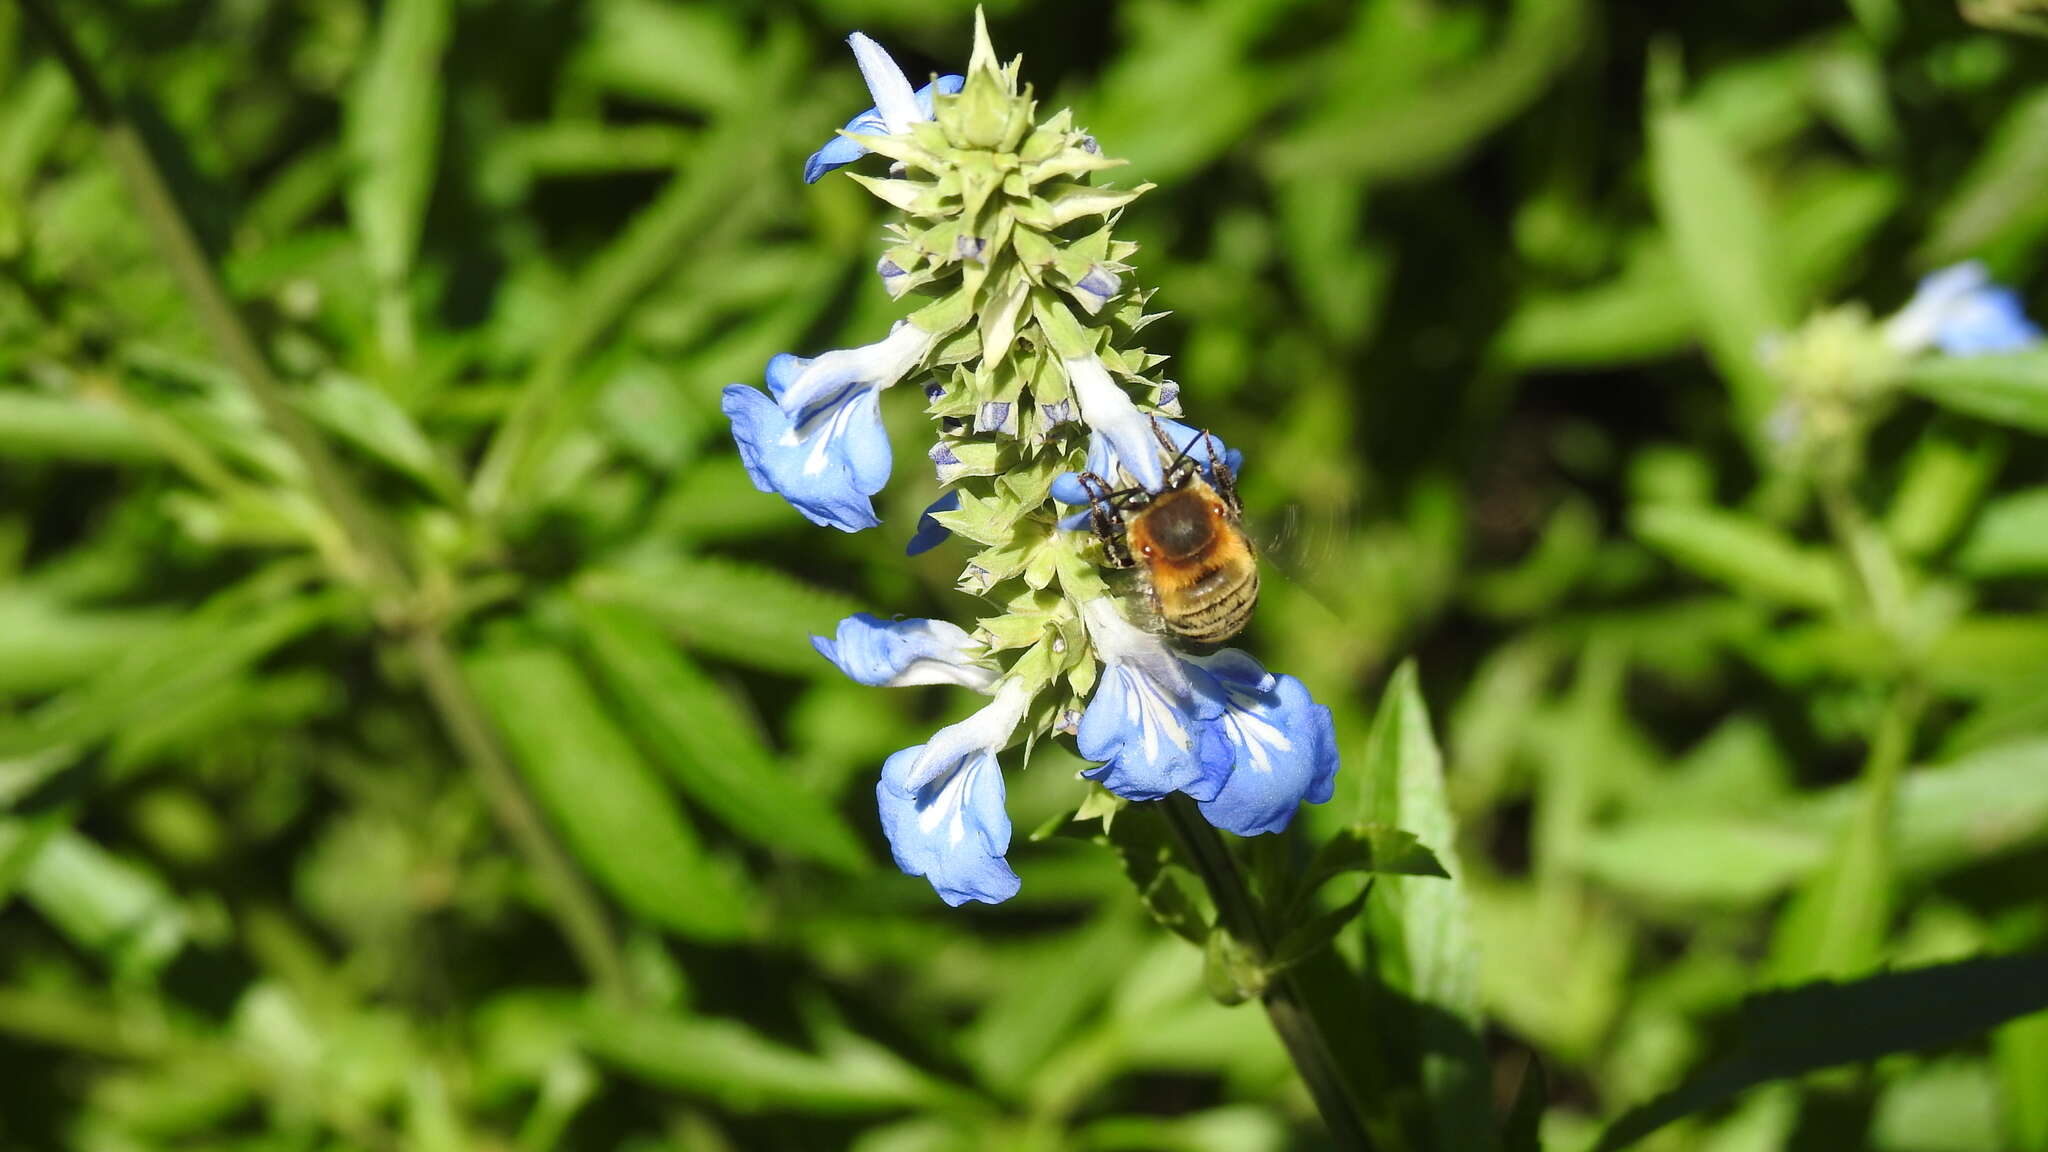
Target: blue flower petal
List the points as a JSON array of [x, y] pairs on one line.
[[1960, 312], [1067, 488], [1154, 738], [840, 151], [826, 470], [1990, 320], [900, 653], [1283, 744], [953, 831], [930, 533]]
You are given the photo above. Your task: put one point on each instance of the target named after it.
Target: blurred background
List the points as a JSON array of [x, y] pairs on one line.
[[472, 785]]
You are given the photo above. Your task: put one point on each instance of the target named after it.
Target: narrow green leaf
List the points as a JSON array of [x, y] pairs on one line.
[[46, 645], [2010, 538], [1836, 925], [706, 741], [747, 613], [372, 421], [1998, 201], [178, 668], [1743, 553], [1943, 487], [37, 109], [2020, 1051], [1149, 853], [1721, 232], [1424, 947], [610, 806], [2009, 388], [736, 1067], [1641, 312], [1046, 992], [1799, 1030], [118, 908], [1431, 124], [1311, 935], [1370, 848], [392, 131], [34, 427]]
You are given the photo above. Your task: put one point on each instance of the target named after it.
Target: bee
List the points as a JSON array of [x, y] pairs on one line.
[[1198, 568]]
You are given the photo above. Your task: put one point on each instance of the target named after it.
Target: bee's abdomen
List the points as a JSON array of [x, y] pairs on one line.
[[1215, 606]]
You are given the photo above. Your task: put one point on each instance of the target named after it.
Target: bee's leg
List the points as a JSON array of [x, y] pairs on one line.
[[1224, 480], [1107, 522], [1180, 463], [1165, 441]]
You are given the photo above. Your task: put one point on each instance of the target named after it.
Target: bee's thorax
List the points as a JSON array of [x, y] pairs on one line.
[[1178, 524]]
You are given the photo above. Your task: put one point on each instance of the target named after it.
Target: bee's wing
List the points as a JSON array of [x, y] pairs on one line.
[[1307, 547]]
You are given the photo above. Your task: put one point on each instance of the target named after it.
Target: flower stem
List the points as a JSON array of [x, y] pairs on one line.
[[1288, 998], [371, 556]]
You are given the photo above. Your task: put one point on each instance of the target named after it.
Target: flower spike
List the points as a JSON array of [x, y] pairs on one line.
[[1024, 350]]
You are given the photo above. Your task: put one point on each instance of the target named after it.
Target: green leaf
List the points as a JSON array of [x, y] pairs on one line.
[[746, 613], [1799, 1030], [1721, 231], [1369, 848], [1423, 944], [737, 1068], [393, 131], [369, 419], [2020, 1051], [1988, 804], [2009, 388], [1431, 123], [178, 668], [706, 741], [2010, 538], [36, 427], [692, 57], [1642, 311], [1999, 199], [1311, 935], [105, 904], [1942, 488], [610, 806], [36, 112], [46, 645], [1150, 856], [1044, 993], [1836, 925], [1742, 553]]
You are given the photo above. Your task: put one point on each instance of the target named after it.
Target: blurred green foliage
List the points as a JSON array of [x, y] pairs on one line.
[[1478, 287]]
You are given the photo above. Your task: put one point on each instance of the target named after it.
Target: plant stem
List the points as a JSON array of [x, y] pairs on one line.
[[1870, 555], [374, 559], [1302, 1031]]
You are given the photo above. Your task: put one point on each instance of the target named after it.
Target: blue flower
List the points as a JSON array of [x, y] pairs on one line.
[[1959, 311], [1104, 461], [1115, 422], [1096, 288], [896, 106], [942, 804], [1247, 745], [819, 442], [1152, 719], [930, 533], [1283, 744], [900, 653]]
